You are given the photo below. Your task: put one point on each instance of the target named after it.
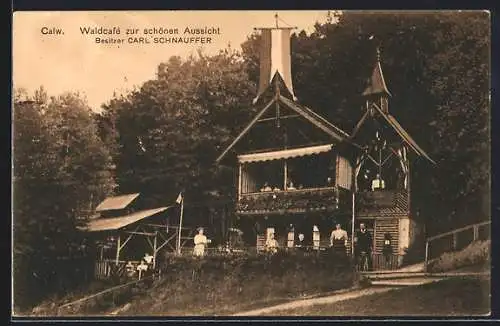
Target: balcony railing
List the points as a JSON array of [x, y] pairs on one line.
[[292, 201], [382, 201]]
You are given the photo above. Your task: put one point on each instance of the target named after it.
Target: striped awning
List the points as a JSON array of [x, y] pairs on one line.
[[115, 223], [284, 154]]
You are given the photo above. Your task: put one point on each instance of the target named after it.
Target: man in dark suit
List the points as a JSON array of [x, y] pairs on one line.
[[363, 244]]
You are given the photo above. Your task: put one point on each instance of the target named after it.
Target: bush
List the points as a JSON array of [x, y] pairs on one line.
[[215, 285], [413, 255], [477, 253]]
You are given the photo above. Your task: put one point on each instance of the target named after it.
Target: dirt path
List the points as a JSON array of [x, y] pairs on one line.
[[382, 287], [324, 300]]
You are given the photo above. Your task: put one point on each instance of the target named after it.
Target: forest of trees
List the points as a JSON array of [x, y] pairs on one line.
[[165, 135]]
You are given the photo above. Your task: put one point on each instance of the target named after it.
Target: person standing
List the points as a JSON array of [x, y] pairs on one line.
[[387, 250], [316, 237], [378, 183], [200, 241], [301, 244], [271, 244], [338, 239], [148, 258], [363, 243]]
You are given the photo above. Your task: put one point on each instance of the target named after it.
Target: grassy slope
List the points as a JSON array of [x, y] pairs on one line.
[[49, 304], [228, 285], [452, 297]]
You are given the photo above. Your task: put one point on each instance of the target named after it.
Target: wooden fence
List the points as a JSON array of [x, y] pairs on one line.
[[89, 302], [455, 240], [107, 268]]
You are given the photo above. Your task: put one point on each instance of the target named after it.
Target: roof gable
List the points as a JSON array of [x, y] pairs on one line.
[[394, 124], [306, 113]]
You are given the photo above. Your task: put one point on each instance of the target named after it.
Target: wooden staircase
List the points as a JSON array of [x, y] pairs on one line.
[[418, 274]]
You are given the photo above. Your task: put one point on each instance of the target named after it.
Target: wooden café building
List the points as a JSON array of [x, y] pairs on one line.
[[299, 173]]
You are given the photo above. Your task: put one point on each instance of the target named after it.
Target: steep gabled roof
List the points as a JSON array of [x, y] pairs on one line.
[[301, 110], [246, 129], [399, 130], [315, 119], [406, 136]]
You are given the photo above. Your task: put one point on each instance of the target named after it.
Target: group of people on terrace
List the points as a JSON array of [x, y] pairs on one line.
[[376, 184], [339, 240], [289, 186], [266, 187]]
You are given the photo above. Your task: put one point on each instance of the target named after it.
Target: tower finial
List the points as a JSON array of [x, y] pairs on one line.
[[276, 18]]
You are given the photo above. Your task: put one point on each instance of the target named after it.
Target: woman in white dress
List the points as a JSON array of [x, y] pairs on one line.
[[200, 241], [271, 244]]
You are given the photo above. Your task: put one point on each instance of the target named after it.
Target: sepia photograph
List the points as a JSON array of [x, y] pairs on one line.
[[330, 163]]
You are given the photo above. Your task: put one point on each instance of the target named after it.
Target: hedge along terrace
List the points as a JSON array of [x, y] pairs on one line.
[[227, 284]]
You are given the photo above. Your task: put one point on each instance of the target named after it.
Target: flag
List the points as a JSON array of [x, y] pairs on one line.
[[275, 59], [179, 198]]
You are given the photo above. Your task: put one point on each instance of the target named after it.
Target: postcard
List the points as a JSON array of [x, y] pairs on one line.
[[251, 163]]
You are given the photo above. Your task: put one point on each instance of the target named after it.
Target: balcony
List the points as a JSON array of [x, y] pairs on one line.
[[293, 201], [381, 203]]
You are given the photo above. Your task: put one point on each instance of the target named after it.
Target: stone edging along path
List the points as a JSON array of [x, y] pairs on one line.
[[353, 293]]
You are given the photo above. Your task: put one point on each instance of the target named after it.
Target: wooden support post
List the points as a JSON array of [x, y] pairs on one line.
[[154, 251], [476, 232], [408, 181], [353, 221], [455, 240], [426, 255], [354, 188], [239, 180], [285, 175], [118, 250], [180, 228]]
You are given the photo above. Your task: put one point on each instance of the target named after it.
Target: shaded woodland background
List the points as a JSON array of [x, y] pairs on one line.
[[164, 136]]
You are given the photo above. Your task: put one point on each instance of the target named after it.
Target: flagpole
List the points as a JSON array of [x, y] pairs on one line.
[[180, 227]]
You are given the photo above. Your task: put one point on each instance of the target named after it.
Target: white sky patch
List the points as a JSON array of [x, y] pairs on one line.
[[74, 62]]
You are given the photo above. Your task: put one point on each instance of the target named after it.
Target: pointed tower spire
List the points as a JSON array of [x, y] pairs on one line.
[[376, 91], [376, 84]]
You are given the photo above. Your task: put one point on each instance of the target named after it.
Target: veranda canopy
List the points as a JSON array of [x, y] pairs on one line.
[[284, 154], [115, 223]]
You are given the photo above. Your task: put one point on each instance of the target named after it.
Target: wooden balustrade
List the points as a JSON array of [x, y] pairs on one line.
[[456, 239], [367, 201], [290, 201]]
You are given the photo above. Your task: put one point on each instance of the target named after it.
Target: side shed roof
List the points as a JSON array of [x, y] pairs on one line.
[[116, 202], [115, 223]]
